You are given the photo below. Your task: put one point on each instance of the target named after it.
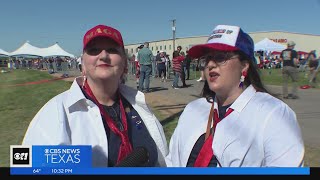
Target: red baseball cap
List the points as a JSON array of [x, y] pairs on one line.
[[102, 31]]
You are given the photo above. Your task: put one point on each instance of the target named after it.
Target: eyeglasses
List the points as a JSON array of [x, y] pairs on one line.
[[219, 58], [93, 51]]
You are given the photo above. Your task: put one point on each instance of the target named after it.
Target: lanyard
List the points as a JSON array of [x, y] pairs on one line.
[[206, 152], [125, 147]]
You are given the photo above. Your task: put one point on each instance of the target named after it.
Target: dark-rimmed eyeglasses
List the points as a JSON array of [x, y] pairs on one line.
[[93, 51], [219, 58]]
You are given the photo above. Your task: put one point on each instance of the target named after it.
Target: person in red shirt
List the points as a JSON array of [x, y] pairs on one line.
[[177, 69]]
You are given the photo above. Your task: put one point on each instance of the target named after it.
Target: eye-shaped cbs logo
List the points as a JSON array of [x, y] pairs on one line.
[[20, 156]]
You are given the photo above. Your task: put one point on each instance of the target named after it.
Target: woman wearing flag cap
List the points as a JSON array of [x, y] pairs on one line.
[[236, 123], [99, 110]]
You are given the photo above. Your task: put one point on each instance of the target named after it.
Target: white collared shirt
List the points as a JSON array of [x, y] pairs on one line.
[[262, 131], [71, 119]]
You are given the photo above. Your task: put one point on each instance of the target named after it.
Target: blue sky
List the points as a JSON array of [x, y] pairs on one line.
[[44, 22]]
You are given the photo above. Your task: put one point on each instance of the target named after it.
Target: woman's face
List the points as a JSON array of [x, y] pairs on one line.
[[103, 59], [223, 71]]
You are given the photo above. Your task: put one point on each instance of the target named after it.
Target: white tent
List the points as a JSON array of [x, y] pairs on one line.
[[27, 49], [55, 50], [268, 45], [2, 52]]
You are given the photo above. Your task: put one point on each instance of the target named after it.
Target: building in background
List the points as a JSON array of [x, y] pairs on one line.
[[304, 42]]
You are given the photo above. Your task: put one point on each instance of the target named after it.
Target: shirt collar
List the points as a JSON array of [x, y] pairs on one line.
[[242, 100], [75, 92], [133, 96]]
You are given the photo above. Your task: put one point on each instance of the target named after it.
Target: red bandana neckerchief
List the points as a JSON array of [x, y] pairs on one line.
[[125, 147], [206, 153]]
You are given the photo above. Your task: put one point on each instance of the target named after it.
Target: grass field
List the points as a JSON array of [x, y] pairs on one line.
[[18, 105]]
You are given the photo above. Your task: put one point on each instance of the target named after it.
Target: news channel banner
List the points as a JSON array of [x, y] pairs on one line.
[[77, 160], [49, 159]]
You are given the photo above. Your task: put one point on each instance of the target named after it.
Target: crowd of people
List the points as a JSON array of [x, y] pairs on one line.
[[161, 66]]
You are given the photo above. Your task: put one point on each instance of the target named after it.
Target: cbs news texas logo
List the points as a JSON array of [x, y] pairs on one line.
[[20, 156]]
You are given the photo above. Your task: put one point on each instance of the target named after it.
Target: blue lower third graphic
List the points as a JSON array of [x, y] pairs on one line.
[[77, 160]]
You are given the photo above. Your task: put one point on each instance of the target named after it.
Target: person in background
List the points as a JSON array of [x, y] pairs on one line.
[[137, 65], [177, 68], [290, 60], [168, 66], [236, 123], [145, 58], [99, 110], [201, 64], [181, 56], [161, 65], [187, 62], [155, 72], [313, 66]]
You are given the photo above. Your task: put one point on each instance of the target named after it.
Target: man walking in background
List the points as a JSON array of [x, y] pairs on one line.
[[289, 57], [145, 60], [313, 67]]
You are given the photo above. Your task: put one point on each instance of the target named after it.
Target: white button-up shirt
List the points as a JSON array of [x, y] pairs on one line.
[[262, 131]]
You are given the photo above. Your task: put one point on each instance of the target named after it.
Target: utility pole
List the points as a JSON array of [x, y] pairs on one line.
[[173, 34]]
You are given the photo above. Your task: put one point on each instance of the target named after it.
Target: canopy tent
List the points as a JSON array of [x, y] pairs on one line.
[[3, 53], [27, 49], [55, 50], [268, 45]]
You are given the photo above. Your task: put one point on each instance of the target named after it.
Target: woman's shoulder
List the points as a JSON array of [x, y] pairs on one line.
[[194, 115], [199, 101], [130, 92], [199, 105], [268, 101], [133, 96]]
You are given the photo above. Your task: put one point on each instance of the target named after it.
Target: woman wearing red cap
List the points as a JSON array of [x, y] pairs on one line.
[[237, 123], [99, 110]]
